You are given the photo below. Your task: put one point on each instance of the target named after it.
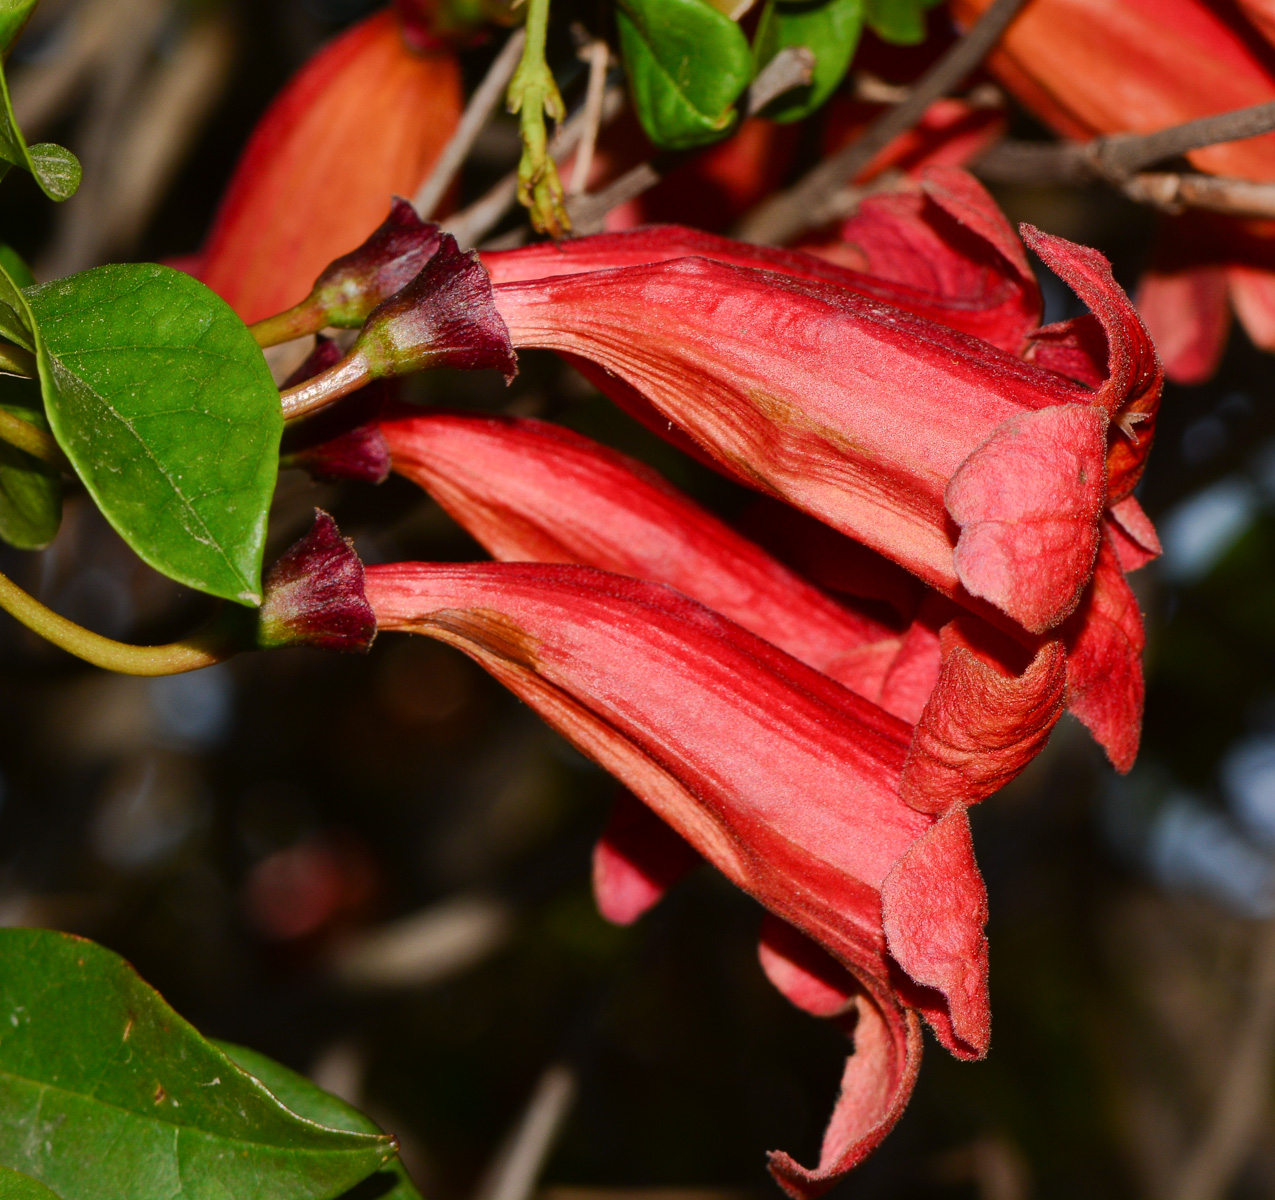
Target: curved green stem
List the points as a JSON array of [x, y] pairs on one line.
[[33, 440], [299, 321], [214, 643]]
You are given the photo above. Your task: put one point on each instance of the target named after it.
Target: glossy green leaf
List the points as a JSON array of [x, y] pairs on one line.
[[107, 1094], [687, 64], [310, 1101], [164, 404], [16, 1186], [829, 28], [55, 168], [30, 491], [16, 266], [898, 21], [14, 14]]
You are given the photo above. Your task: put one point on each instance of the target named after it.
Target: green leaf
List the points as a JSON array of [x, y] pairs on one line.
[[898, 21], [16, 1186], [30, 491], [309, 1100], [829, 28], [687, 64], [107, 1094], [14, 14], [55, 168], [16, 265], [164, 404]]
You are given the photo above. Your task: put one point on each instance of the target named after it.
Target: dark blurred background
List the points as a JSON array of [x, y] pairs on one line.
[[377, 869]]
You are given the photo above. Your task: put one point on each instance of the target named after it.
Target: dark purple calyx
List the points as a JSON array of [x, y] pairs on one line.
[[314, 595], [445, 317], [354, 284], [343, 441]]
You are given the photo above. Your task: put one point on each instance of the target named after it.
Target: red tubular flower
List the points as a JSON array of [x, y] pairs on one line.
[[946, 254], [784, 780], [884, 426], [363, 120]]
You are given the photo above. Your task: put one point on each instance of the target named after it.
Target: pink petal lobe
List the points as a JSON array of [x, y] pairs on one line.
[[1188, 314], [879, 1075], [1105, 639], [934, 907], [1134, 377], [982, 723], [636, 860], [1252, 291], [1135, 538], [1028, 502]]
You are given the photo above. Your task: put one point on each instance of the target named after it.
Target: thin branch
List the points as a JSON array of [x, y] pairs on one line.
[[1173, 193], [1117, 157], [803, 205], [471, 224], [1120, 155], [598, 57], [477, 113], [792, 67], [1242, 1098]]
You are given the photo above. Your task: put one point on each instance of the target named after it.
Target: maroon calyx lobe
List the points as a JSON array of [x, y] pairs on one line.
[[445, 317], [351, 286], [343, 441], [314, 595]]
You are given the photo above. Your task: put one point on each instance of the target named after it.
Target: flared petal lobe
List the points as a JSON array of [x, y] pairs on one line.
[[361, 122]]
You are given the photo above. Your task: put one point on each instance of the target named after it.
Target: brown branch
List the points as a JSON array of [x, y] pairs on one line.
[[1173, 193], [476, 115], [1118, 157], [804, 204], [792, 67]]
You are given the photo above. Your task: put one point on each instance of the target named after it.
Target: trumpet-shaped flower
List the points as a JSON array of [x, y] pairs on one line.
[[784, 780], [892, 429]]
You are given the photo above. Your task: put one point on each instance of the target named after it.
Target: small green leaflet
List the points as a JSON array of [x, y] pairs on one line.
[[898, 21], [164, 404], [107, 1094], [829, 28], [15, 264], [55, 168], [16, 1186], [308, 1100], [30, 491], [687, 64]]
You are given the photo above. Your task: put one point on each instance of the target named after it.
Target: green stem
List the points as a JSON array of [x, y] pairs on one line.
[[16, 361], [33, 440], [533, 93], [299, 321], [214, 643]]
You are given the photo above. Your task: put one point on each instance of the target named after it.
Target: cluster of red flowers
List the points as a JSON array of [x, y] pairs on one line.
[[935, 567]]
